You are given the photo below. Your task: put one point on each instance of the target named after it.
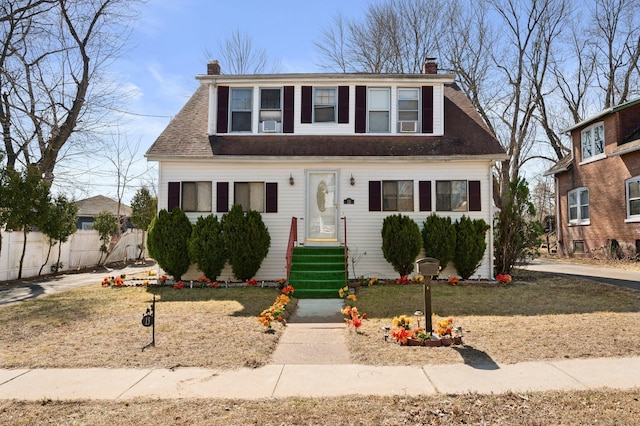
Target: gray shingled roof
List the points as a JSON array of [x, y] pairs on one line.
[[561, 166], [465, 135], [90, 207]]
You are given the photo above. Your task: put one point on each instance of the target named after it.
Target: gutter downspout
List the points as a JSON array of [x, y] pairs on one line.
[[491, 213]]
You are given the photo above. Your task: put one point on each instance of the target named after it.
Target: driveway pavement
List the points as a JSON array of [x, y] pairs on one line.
[[31, 289], [619, 277]]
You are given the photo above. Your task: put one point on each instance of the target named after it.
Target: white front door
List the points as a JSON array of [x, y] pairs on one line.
[[322, 206]]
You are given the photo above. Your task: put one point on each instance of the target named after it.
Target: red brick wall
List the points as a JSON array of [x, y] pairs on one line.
[[605, 180]]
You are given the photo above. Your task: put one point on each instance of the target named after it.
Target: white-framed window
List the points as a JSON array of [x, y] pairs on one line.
[[593, 142], [196, 196], [408, 109], [451, 196], [241, 102], [578, 206], [324, 105], [633, 198], [378, 109], [250, 195], [397, 195], [270, 109]]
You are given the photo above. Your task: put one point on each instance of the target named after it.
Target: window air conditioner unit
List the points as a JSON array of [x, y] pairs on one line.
[[408, 126], [269, 126]]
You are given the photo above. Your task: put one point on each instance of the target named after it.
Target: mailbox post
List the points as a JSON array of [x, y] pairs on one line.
[[428, 267]]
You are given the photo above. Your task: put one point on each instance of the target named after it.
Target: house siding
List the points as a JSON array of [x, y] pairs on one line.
[[363, 226]]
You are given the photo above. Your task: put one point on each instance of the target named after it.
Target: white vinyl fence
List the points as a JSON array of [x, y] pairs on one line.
[[82, 250]]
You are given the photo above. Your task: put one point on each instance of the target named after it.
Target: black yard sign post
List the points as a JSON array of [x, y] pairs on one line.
[[148, 320]]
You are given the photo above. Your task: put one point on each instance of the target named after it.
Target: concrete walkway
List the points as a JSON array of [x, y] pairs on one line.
[[314, 335]]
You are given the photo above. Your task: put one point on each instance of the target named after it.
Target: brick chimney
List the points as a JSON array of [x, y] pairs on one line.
[[213, 68], [430, 66]]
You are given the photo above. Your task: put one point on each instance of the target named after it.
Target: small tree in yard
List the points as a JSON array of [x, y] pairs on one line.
[[439, 238], [106, 225], [26, 203], [516, 235], [168, 240], [144, 208], [247, 241], [470, 245], [401, 242], [206, 246], [59, 226]]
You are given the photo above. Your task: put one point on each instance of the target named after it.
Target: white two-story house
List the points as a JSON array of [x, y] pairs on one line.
[[339, 152]]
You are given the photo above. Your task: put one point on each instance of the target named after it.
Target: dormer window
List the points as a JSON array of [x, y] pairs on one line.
[[241, 100], [593, 142], [270, 110], [324, 105], [408, 110], [379, 105]]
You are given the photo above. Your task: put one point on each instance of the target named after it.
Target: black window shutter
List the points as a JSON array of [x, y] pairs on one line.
[[287, 115], [222, 197], [424, 189], [475, 204], [361, 109], [427, 109], [343, 104], [271, 206], [306, 114], [222, 125], [375, 196], [173, 198]]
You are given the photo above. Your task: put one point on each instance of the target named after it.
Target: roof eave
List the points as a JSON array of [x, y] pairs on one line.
[[315, 158], [301, 77]]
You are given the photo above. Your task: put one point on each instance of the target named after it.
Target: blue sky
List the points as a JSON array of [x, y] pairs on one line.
[[168, 45]]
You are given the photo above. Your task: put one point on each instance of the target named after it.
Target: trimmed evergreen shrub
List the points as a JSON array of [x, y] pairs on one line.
[[401, 242], [516, 235], [206, 246], [470, 245], [439, 238], [167, 241], [247, 241]]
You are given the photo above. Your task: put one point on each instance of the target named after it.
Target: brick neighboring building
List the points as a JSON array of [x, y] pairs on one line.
[[598, 184]]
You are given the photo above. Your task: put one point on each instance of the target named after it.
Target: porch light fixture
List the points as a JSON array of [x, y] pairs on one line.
[[291, 180], [352, 181]]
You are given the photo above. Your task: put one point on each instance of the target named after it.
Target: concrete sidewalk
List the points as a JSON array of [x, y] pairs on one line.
[[312, 360], [279, 381]]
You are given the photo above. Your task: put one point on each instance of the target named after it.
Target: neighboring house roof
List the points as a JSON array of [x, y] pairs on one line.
[[601, 114], [561, 166], [464, 135], [91, 207]]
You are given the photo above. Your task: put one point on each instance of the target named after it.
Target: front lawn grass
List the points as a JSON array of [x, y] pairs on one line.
[[98, 326], [532, 293], [538, 317]]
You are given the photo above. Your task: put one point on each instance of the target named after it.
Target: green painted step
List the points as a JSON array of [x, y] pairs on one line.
[[317, 272]]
